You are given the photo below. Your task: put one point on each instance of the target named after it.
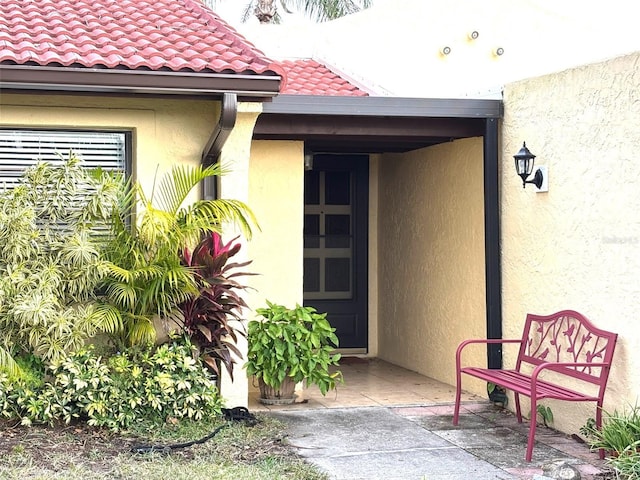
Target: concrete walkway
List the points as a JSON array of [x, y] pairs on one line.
[[420, 442]]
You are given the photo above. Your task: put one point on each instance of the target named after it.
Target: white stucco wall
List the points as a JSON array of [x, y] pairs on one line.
[[394, 47], [431, 285], [576, 246]]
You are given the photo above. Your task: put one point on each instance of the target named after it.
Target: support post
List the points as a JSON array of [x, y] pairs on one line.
[[493, 280]]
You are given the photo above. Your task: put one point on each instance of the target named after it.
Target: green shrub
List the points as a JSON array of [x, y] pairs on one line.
[[72, 266], [546, 414], [620, 438], [148, 385], [619, 431], [627, 463], [50, 259]]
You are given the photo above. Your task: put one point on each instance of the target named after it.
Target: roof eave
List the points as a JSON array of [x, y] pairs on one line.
[[385, 106], [128, 82]]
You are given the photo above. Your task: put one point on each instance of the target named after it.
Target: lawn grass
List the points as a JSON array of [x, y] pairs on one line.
[[79, 452]]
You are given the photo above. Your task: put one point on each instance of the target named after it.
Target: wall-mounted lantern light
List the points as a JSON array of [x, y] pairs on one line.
[[524, 166]]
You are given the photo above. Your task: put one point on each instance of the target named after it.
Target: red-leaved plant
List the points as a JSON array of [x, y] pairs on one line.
[[206, 316]]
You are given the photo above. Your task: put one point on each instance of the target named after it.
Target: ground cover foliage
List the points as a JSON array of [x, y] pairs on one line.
[[149, 384], [78, 451]]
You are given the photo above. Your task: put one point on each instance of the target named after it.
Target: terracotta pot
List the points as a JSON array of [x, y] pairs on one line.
[[498, 395], [283, 395]]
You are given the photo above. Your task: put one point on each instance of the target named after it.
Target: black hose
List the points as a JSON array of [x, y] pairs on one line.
[[230, 414]]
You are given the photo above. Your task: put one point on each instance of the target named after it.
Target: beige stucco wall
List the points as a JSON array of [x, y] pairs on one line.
[[276, 195], [576, 246], [234, 184], [431, 286], [165, 131]]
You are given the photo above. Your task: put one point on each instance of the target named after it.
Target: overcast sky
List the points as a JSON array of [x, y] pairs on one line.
[[232, 10]]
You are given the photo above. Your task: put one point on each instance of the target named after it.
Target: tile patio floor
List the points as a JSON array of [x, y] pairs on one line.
[[371, 383]]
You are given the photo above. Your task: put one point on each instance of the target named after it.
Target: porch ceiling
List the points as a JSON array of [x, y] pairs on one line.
[[372, 124]]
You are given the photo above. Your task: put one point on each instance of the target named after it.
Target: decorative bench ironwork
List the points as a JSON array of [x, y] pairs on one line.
[[565, 343]]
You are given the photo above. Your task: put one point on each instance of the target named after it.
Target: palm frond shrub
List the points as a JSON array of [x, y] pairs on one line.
[[51, 232], [146, 277]]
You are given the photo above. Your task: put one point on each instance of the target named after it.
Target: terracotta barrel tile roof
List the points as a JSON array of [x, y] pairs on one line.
[[151, 35], [172, 35], [308, 77]]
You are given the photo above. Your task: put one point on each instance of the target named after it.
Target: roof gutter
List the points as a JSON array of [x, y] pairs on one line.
[[127, 82], [219, 136]]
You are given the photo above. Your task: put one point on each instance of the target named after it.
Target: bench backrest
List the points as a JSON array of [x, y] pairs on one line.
[[568, 336]]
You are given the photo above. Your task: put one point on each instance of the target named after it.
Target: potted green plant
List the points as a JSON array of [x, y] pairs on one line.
[[287, 346]]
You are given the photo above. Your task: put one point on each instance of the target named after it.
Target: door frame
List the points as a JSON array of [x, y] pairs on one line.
[[359, 166]]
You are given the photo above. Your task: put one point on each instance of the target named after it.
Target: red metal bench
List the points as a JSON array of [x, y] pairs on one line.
[[566, 343]]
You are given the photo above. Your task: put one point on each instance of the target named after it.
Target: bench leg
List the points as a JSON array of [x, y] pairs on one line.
[[599, 424], [456, 410], [518, 409], [532, 429]]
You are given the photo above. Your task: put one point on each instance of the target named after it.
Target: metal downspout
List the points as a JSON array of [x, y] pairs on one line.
[[219, 136], [493, 273]]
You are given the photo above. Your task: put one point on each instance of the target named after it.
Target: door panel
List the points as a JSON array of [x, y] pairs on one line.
[[335, 244]]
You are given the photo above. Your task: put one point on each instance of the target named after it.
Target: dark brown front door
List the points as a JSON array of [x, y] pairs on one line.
[[335, 244]]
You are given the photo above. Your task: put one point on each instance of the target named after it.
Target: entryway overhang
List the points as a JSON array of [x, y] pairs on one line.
[[333, 124], [373, 124]]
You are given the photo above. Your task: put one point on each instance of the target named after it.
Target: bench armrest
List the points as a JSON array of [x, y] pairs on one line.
[[483, 341]]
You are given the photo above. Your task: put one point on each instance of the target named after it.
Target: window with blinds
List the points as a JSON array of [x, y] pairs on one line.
[[20, 149]]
